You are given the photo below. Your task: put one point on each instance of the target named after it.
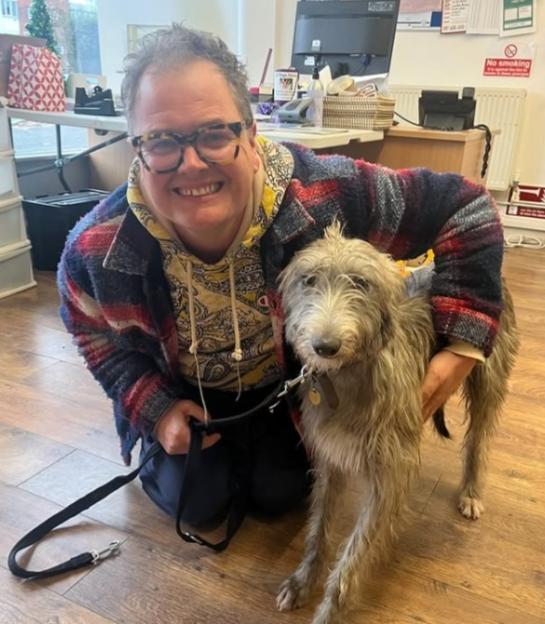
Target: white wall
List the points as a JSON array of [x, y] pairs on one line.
[[257, 33], [217, 16], [433, 59]]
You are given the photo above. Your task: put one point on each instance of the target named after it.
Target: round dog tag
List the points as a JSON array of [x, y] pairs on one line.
[[314, 396]]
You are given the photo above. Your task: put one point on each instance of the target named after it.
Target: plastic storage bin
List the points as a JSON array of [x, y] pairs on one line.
[[8, 176], [12, 223], [15, 269], [50, 219]]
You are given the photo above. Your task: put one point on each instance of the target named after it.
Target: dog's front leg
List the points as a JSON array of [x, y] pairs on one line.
[[295, 589], [366, 545]]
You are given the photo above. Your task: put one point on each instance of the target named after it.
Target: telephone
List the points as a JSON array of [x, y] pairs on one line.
[[294, 111]]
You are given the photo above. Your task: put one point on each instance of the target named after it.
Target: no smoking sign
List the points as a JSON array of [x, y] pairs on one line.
[[510, 62]]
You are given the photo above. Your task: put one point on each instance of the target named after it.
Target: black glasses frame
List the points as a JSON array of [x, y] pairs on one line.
[[184, 140]]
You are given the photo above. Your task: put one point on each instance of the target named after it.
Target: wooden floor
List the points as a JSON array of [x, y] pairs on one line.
[[57, 442]]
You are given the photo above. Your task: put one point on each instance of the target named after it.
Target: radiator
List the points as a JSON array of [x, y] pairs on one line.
[[500, 109]]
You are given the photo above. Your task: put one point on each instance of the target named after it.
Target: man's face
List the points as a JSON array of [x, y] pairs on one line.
[[203, 201]]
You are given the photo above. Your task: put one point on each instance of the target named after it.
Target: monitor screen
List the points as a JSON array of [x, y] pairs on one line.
[[353, 37]]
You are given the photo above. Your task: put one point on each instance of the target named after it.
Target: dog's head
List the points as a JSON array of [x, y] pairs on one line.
[[339, 295]]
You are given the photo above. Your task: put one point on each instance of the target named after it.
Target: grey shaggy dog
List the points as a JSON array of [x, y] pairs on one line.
[[368, 344]]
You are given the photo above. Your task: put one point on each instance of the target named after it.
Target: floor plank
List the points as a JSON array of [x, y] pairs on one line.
[[58, 419], [24, 603], [21, 511], [25, 454]]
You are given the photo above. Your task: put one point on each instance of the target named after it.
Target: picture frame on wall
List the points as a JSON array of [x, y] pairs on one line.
[[420, 15]]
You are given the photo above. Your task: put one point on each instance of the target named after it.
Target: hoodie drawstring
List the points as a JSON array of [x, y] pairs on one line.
[[193, 347], [237, 353]]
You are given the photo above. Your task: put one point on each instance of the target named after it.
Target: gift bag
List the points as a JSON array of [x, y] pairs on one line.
[[6, 43], [35, 79]]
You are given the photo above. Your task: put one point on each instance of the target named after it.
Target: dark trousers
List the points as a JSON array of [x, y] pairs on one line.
[[263, 455]]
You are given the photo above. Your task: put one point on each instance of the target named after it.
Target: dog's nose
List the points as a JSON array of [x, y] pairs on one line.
[[326, 347]]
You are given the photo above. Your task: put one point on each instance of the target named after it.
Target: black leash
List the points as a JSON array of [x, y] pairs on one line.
[[198, 429], [83, 503]]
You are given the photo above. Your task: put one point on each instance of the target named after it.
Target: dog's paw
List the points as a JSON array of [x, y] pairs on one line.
[[291, 594], [470, 507], [325, 614]]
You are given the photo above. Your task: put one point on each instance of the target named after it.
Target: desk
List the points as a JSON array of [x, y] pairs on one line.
[[440, 150], [398, 147], [314, 138], [318, 138], [110, 167], [68, 118]]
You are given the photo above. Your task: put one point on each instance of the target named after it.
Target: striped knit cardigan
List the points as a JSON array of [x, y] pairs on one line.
[[115, 299]]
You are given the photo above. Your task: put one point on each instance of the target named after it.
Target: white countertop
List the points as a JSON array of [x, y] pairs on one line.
[[69, 118], [315, 138]]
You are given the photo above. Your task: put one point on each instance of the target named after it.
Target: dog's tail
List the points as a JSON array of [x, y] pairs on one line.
[[439, 422]]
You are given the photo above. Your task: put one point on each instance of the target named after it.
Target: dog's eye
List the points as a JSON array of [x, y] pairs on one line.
[[360, 282], [309, 280]]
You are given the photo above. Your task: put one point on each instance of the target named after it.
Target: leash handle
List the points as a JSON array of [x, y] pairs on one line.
[[239, 500]]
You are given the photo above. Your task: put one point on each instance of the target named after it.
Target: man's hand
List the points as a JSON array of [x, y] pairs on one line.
[[445, 373], [172, 429]]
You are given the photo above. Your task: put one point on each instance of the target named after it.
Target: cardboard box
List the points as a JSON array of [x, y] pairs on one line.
[[6, 41]]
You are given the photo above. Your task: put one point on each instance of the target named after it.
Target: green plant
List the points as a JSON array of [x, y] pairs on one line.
[[40, 24]]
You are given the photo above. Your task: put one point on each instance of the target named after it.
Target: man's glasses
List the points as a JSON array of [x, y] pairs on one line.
[[163, 152]]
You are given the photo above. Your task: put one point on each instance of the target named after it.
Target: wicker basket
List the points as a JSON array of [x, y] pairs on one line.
[[358, 112]]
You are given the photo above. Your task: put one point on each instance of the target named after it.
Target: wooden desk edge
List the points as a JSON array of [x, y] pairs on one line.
[[474, 134]]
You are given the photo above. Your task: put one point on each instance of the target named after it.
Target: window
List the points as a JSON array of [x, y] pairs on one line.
[[9, 9], [35, 140], [76, 31]]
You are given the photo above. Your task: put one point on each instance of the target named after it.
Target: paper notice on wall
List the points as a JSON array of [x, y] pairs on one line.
[[455, 14], [510, 59], [419, 14], [484, 17], [518, 17]]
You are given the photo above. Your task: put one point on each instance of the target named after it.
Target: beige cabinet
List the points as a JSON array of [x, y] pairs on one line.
[[439, 150]]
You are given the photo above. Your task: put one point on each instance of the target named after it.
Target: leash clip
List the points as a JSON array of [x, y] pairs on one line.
[[113, 548], [289, 385]]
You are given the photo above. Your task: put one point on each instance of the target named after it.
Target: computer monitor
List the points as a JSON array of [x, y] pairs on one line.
[[444, 110], [353, 37]]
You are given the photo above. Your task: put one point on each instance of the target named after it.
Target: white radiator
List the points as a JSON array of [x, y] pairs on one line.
[[500, 109]]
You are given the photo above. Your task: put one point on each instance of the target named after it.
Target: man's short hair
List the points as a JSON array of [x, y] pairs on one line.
[[168, 48]]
